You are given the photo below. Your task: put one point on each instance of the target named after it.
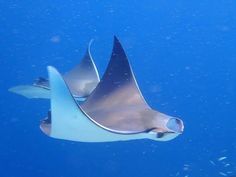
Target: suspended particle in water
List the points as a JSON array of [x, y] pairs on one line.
[[212, 162], [222, 158], [55, 39], [222, 174], [226, 165]]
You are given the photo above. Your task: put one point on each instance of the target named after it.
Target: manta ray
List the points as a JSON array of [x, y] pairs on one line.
[[85, 108], [81, 80]]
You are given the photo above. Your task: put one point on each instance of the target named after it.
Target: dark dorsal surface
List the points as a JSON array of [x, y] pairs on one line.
[[83, 78], [117, 102]]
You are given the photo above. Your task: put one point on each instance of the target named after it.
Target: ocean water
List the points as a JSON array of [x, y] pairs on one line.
[[183, 54]]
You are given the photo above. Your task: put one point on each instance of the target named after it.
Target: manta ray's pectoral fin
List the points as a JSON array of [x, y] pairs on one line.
[[31, 91], [118, 103], [82, 80], [70, 122], [39, 89]]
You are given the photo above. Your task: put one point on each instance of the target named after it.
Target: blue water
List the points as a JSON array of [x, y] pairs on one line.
[[183, 54]]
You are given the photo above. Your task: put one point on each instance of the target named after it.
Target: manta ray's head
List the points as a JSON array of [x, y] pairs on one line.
[[166, 127]]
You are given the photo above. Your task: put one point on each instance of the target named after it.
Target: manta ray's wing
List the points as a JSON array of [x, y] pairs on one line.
[[31, 91], [82, 80], [117, 102], [39, 89], [68, 121]]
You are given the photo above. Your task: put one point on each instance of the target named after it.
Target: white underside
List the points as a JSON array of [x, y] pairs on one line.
[[31, 91], [35, 92]]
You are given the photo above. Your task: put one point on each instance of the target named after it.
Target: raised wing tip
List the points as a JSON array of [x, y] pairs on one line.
[[89, 48], [53, 72], [51, 69], [116, 42], [118, 50], [116, 38], [90, 43]]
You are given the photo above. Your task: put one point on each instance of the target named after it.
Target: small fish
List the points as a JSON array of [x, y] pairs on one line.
[[222, 158], [223, 174], [226, 165], [212, 162]]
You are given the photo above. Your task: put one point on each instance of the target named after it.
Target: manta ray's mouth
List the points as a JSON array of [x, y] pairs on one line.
[[175, 125], [45, 124]]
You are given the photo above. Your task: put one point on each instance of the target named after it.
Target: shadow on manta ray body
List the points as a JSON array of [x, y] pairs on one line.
[[114, 110]]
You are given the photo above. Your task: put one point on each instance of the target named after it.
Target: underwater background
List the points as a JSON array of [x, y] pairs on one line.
[[183, 54]]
